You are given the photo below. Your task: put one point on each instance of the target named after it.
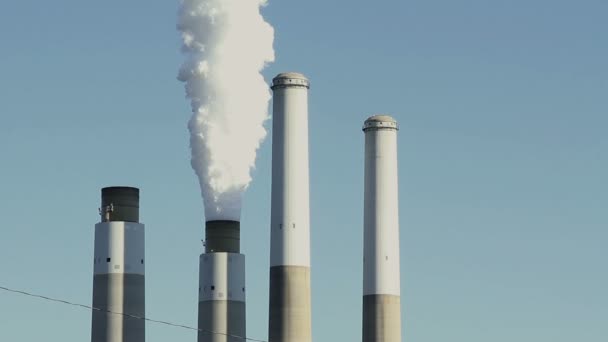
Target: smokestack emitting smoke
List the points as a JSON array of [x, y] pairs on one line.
[[119, 270], [381, 285], [227, 43]]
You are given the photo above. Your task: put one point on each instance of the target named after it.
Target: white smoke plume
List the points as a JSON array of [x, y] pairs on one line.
[[226, 43]]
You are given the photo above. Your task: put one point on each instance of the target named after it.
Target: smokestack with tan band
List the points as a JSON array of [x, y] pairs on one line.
[[381, 284], [289, 309]]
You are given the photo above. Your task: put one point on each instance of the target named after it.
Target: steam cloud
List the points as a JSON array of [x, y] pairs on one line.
[[226, 43]]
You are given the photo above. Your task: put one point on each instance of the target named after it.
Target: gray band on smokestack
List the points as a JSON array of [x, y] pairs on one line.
[[222, 236], [120, 203]]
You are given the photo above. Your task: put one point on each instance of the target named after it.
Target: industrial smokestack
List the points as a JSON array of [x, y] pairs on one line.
[[226, 44], [221, 306], [289, 310], [381, 285], [119, 272]]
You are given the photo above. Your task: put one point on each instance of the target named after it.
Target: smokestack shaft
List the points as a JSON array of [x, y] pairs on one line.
[[119, 271], [381, 284], [221, 306], [289, 307]]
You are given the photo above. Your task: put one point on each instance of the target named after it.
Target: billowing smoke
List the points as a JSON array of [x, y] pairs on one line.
[[226, 43]]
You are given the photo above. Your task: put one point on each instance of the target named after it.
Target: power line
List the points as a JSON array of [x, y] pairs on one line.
[[92, 308]]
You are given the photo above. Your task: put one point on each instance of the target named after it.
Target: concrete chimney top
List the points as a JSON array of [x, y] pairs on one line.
[[290, 79], [120, 203], [380, 121]]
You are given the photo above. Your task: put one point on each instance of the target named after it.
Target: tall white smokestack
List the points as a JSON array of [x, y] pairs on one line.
[[119, 271], [289, 310], [381, 285]]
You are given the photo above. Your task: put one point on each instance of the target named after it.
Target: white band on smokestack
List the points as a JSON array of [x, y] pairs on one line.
[[222, 277], [119, 248], [290, 216]]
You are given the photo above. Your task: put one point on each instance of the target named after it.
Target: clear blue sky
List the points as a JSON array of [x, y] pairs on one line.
[[503, 107]]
